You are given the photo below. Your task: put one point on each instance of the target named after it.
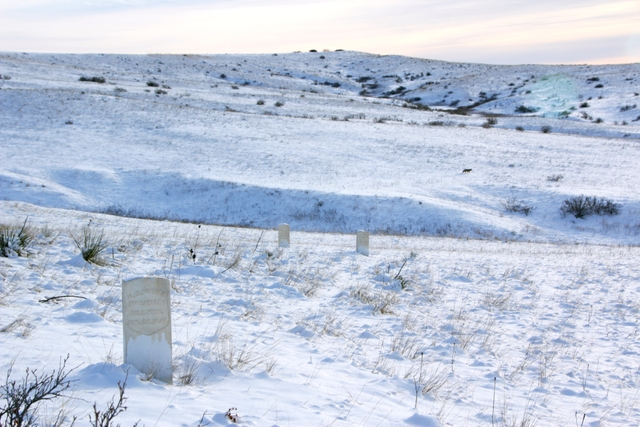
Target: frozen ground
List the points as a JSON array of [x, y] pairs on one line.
[[544, 307]]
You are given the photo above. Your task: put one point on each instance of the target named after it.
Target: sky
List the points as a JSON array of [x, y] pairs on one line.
[[488, 31]]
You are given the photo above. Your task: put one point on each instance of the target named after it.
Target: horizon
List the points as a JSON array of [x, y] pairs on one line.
[[587, 32]]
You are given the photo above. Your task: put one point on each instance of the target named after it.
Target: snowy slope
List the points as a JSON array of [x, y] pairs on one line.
[[320, 335], [326, 158]]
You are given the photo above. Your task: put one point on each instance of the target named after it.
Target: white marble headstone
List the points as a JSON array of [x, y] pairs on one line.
[[362, 242], [284, 232], [146, 323]]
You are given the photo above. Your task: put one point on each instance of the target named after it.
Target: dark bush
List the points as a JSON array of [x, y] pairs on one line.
[[583, 206], [93, 79], [599, 86], [519, 128], [546, 129], [151, 83], [260, 102], [491, 121], [279, 104], [584, 105], [525, 109]]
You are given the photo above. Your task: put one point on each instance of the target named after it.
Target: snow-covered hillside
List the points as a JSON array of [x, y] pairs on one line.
[[481, 303], [255, 140]]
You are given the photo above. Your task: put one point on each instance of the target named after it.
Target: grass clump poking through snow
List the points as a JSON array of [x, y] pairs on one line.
[[582, 206], [14, 240], [91, 244]]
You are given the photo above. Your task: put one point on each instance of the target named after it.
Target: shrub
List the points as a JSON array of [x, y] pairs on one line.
[[260, 102], [514, 205], [584, 105], [599, 120], [491, 121], [119, 90], [279, 104], [23, 397], [599, 86], [91, 244], [628, 107], [519, 128], [545, 129], [161, 92], [93, 79], [363, 79], [555, 178], [14, 240], [151, 83], [581, 206], [525, 109]]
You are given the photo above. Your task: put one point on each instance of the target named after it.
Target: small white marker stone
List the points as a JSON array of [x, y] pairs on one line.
[[146, 324], [284, 232], [362, 242]]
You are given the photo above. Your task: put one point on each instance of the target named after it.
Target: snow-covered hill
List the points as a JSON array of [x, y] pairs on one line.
[[255, 140]]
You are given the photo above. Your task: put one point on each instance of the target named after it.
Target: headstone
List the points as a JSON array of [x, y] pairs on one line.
[[284, 232], [362, 242], [146, 323]]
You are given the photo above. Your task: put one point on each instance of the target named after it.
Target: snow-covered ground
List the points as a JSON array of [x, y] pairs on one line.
[[496, 318]]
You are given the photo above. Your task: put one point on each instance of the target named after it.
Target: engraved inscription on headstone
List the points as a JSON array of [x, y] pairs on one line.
[[284, 232], [362, 242], [146, 324]]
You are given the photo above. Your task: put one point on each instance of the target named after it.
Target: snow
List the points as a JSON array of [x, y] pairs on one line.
[[500, 318]]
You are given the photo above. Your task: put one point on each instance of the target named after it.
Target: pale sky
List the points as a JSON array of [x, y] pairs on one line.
[[486, 31]]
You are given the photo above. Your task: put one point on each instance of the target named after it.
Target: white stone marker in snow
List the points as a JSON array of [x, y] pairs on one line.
[[284, 232], [146, 324], [362, 242]]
